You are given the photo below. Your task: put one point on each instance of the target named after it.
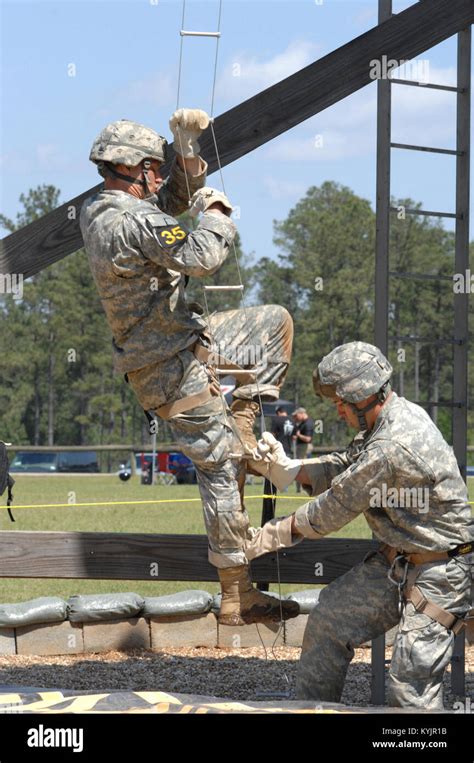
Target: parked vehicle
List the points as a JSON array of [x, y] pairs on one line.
[[169, 468], [55, 462]]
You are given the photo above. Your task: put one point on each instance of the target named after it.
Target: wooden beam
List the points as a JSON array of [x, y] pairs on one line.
[[133, 556], [263, 117], [137, 448]]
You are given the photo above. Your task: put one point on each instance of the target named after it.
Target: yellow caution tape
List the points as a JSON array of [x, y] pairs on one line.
[[140, 503], [129, 503]]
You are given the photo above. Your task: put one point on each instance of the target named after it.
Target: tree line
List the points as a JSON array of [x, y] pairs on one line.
[[56, 381]]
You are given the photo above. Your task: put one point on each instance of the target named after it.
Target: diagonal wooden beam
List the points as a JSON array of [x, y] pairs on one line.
[[263, 117]]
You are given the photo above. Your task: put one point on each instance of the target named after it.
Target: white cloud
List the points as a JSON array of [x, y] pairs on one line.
[[49, 156], [340, 132], [423, 115], [420, 116], [20, 162], [42, 158], [325, 146], [158, 90], [283, 189], [246, 74]]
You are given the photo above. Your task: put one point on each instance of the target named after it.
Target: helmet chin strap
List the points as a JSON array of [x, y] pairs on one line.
[[360, 413], [382, 395], [145, 164]]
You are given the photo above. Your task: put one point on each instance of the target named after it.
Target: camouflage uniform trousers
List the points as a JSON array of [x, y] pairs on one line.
[[363, 604], [207, 434]]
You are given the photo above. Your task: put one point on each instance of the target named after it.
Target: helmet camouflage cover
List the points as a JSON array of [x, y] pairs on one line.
[[127, 142], [352, 372]]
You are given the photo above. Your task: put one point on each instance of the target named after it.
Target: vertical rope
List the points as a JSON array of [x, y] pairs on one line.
[[216, 58], [180, 56], [239, 274], [239, 277]]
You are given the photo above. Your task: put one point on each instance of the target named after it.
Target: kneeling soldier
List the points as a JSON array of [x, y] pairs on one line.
[[402, 475]]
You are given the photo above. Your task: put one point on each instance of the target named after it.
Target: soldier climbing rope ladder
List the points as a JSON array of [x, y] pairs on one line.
[[162, 343]]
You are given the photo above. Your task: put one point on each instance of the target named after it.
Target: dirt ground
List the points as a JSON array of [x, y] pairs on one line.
[[241, 674]]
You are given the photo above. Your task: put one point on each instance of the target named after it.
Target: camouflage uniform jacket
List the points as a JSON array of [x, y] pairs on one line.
[[140, 256], [401, 475]]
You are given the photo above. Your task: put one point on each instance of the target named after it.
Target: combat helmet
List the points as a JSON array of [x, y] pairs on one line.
[[129, 143], [353, 372]]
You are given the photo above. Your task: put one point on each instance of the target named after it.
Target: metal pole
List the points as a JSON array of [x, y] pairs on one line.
[[377, 661], [401, 377], [382, 218], [268, 504], [458, 665], [268, 512], [382, 209], [153, 440], [417, 372], [461, 301], [461, 259]]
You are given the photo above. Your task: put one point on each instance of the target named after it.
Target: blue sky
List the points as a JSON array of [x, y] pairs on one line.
[[124, 56]]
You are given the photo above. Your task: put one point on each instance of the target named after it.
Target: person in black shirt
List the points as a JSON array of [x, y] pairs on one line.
[[282, 430], [302, 435]]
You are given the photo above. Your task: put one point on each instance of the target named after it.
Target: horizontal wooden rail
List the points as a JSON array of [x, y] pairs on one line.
[[136, 556], [164, 447]]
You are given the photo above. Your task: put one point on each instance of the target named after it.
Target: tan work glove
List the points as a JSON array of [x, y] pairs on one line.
[[272, 536], [270, 460], [186, 126], [203, 198]]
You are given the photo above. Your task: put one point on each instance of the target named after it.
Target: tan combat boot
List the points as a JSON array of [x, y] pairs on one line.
[[243, 604], [244, 413]]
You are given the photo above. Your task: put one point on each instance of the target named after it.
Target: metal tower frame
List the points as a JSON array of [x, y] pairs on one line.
[[460, 335]]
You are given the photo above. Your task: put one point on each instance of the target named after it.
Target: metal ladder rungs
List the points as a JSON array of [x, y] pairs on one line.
[[183, 33], [419, 276], [409, 147], [414, 83], [224, 288], [427, 213], [424, 340]]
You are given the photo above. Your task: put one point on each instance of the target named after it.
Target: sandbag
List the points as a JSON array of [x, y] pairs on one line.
[[182, 603], [46, 609], [108, 606], [307, 599]]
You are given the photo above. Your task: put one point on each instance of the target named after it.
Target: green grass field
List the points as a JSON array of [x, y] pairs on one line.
[[172, 516]]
